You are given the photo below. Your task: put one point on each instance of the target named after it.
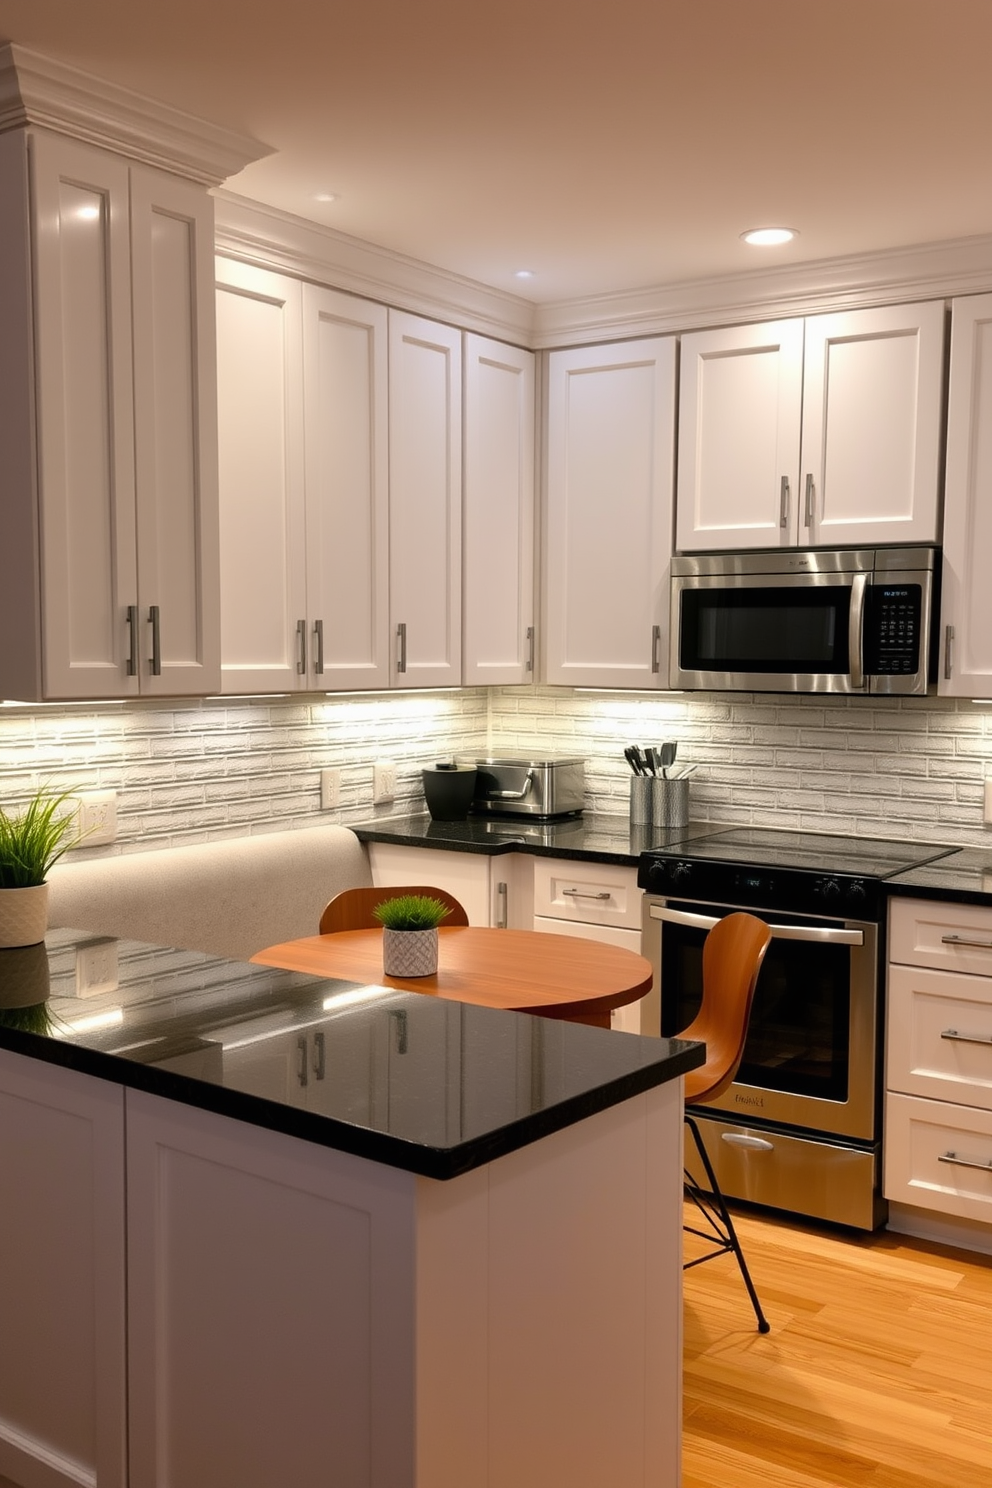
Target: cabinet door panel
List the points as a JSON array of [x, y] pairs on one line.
[[499, 513], [609, 537], [966, 595], [740, 401], [85, 417], [871, 425], [425, 500], [260, 424], [175, 423], [347, 504]]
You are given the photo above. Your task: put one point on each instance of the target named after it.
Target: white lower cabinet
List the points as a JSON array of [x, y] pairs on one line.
[[594, 901], [493, 889], [938, 1110], [62, 1361]]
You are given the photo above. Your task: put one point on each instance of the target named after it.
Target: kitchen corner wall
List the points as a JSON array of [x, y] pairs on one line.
[[912, 768]]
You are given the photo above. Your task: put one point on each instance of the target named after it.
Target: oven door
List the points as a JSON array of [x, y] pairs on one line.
[[811, 1054], [769, 632]]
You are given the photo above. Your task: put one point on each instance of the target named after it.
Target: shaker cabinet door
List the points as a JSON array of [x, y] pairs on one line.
[[611, 436], [740, 402], [346, 443], [262, 522], [966, 594]]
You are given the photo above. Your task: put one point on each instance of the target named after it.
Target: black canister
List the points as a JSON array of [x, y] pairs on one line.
[[449, 789]]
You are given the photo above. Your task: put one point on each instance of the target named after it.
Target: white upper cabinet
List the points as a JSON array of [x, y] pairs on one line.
[[611, 445], [740, 406], [262, 517], [345, 384], [303, 482], [498, 514], [111, 566], [425, 493], [823, 432], [966, 593]]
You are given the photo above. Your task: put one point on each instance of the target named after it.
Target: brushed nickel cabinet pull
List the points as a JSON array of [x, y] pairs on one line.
[[783, 520], [154, 622], [301, 654], [964, 1162], [401, 647], [966, 1038], [301, 1069], [318, 1054], [656, 648], [585, 894], [966, 940], [810, 493], [131, 621], [948, 650], [530, 649], [318, 638], [502, 916]]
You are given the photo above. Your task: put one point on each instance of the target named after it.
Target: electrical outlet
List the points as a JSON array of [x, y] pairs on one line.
[[383, 782], [330, 788], [96, 967], [96, 817]]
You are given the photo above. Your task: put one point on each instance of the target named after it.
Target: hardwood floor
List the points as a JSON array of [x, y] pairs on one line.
[[877, 1372]]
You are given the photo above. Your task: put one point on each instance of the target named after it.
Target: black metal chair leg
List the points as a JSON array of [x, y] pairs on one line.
[[727, 1238]]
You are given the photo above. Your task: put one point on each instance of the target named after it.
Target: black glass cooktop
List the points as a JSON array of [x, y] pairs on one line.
[[818, 852]]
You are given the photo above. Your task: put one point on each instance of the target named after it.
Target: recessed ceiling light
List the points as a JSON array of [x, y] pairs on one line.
[[767, 237], [523, 273], [325, 196]]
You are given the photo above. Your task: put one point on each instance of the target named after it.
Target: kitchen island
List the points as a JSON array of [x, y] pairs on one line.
[[370, 1238]]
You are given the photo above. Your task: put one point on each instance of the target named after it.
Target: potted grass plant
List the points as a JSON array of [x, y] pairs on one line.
[[30, 842], [409, 934]]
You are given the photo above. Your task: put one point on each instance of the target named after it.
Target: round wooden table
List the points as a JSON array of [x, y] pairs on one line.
[[525, 971]]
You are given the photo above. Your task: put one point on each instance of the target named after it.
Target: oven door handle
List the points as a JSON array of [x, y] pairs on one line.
[[818, 934]]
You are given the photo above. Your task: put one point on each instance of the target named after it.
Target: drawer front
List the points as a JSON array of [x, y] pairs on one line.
[[940, 1035], [949, 937], [590, 893], [938, 1156]]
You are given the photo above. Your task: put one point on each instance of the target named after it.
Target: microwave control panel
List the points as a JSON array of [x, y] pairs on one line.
[[892, 629]]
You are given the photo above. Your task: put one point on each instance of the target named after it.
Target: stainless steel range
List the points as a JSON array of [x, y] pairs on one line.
[[800, 1128]]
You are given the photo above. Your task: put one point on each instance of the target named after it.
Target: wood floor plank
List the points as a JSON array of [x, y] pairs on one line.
[[877, 1372]]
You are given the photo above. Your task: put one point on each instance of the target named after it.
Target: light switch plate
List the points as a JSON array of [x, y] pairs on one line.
[[330, 788], [96, 967], [383, 782]]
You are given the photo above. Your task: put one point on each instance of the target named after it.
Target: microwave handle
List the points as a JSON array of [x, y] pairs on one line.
[[856, 632]]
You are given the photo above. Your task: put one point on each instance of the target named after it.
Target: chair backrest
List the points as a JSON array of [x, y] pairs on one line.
[[352, 908], [732, 955]]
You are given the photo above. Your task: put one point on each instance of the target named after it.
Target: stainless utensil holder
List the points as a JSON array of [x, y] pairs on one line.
[[669, 802], [642, 800]]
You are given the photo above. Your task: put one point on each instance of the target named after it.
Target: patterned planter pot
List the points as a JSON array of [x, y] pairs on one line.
[[409, 953], [23, 915]]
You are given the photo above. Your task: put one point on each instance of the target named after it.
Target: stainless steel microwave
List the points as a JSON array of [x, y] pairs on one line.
[[856, 620]]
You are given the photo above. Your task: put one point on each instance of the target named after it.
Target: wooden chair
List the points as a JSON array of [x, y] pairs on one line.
[[732, 955], [352, 908]]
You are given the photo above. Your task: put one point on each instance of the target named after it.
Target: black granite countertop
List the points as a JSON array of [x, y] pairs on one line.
[[964, 876], [593, 839], [414, 1082]]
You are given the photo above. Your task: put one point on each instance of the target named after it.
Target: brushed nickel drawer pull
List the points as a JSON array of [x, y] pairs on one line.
[[964, 1162], [966, 1038], [585, 894], [966, 940]]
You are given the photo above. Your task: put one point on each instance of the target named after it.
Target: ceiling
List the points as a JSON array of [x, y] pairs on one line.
[[605, 145]]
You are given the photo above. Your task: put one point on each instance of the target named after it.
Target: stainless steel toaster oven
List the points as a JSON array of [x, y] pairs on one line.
[[543, 789]]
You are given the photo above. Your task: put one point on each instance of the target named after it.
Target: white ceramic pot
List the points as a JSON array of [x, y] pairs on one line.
[[23, 915], [409, 953]]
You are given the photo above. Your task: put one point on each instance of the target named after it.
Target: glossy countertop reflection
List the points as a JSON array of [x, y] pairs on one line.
[[590, 838], [436, 1088]]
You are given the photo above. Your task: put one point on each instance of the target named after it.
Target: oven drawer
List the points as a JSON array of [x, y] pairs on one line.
[[590, 893], [948, 937], [938, 1156], [940, 1035]]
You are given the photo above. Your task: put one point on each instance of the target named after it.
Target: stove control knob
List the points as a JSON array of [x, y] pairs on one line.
[[857, 892], [681, 871], [830, 888], [657, 873]]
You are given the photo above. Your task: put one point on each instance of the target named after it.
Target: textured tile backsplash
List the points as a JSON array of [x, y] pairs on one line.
[[911, 768]]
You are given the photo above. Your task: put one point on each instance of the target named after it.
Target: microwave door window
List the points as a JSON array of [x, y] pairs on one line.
[[766, 630]]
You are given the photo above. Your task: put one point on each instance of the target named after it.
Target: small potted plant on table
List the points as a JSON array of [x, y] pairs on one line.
[[409, 934], [29, 844]]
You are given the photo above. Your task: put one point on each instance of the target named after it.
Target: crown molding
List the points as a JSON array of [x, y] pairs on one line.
[[271, 238], [927, 271], [38, 90]]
